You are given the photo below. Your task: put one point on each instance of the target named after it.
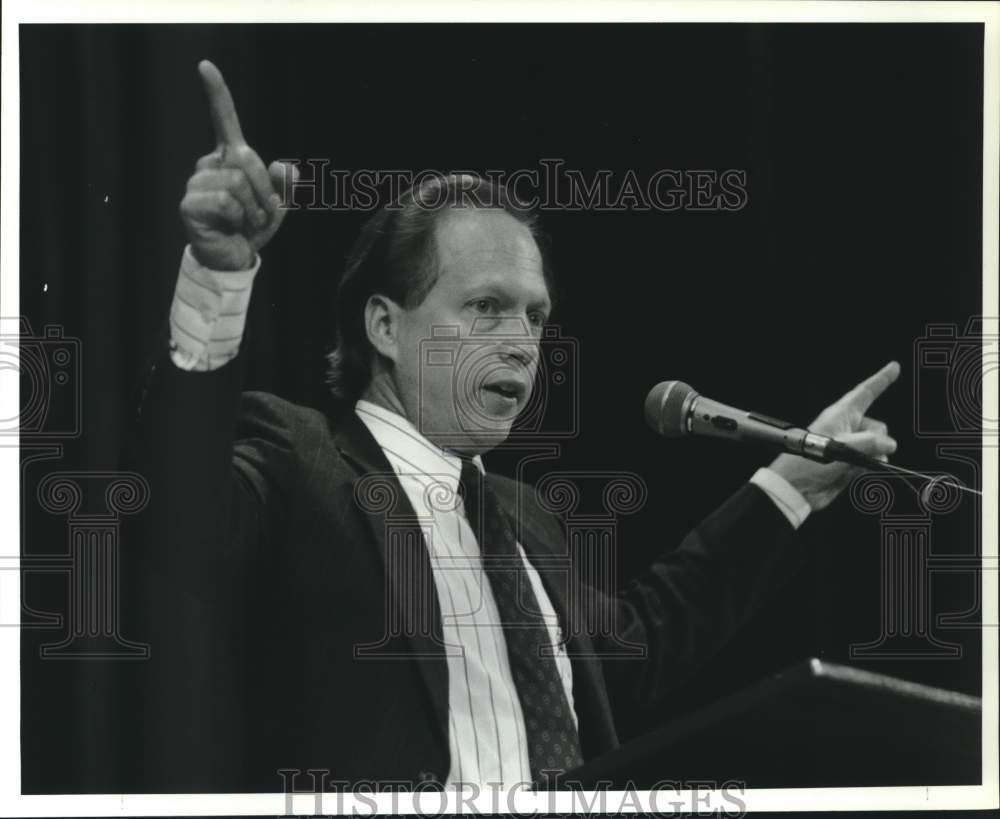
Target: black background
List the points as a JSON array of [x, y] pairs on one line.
[[862, 148]]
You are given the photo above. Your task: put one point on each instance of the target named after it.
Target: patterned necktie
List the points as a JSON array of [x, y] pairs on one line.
[[553, 741]]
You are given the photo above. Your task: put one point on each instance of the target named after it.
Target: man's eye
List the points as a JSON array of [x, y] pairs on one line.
[[536, 319], [483, 305]]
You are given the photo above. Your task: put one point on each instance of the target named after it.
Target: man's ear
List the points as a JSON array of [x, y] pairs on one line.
[[382, 325]]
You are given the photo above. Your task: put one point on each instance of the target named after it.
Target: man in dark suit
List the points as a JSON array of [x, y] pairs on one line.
[[348, 590]]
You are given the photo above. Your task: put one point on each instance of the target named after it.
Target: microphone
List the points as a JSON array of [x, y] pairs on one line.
[[674, 409]]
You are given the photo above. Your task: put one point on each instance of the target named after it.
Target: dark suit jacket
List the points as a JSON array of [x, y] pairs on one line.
[[286, 635]]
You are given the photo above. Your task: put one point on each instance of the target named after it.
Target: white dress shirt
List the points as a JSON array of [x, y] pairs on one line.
[[486, 727]]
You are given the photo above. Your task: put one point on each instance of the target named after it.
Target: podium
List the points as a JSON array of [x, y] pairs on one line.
[[814, 725]]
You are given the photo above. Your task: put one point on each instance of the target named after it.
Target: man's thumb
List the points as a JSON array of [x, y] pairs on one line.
[[284, 175]]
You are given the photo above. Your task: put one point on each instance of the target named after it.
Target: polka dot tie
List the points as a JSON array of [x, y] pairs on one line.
[[553, 742]]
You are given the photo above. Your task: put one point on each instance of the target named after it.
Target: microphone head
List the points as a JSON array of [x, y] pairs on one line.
[[667, 406]]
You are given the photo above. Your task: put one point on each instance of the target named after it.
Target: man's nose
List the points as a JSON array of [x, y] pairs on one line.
[[512, 333], [525, 354]]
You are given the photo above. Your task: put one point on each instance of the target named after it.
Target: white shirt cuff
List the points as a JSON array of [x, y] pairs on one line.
[[208, 313], [785, 496]]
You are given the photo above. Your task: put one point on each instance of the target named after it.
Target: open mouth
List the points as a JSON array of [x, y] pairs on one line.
[[510, 390]]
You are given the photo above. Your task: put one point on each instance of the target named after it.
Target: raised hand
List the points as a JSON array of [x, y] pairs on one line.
[[845, 420], [233, 204]]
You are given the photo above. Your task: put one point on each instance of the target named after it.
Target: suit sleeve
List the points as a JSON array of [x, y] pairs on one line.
[[220, 463], [221, 472], [691, 600]]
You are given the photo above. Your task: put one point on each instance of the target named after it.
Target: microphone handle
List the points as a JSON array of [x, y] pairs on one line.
[[706, 416]]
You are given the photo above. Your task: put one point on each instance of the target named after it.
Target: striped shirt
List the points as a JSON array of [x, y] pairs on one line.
[[486, 729]]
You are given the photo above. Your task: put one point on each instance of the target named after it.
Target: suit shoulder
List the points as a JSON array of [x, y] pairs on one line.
[[267, 405], [268, 402], [267, 416]]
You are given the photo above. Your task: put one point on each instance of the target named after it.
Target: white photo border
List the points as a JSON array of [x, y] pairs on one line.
[[16, 12]]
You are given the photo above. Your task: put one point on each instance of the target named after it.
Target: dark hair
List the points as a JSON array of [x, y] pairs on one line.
[[396, 256]]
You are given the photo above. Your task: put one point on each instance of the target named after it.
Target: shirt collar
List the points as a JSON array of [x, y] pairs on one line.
[[407, 449]]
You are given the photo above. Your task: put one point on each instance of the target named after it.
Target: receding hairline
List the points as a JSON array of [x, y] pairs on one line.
[[474, 223]]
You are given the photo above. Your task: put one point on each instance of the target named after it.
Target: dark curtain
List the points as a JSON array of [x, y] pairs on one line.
[[862, 150]]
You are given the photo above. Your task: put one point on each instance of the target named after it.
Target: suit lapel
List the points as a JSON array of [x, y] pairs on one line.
[[413, 614], [412, 597]]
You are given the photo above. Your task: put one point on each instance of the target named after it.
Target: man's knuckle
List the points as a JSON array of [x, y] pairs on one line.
[[242, 184], [225, 201], [243, 153], [199, 179], [237, 188]]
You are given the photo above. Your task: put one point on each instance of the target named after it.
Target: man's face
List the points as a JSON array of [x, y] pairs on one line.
[[469, 352]]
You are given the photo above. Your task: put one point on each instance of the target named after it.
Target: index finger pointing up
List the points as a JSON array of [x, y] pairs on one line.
[[864, 395], [220, 106]]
